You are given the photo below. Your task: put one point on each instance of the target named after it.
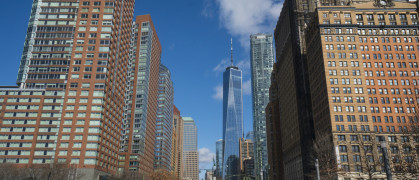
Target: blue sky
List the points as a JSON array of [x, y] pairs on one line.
[[195, 36]]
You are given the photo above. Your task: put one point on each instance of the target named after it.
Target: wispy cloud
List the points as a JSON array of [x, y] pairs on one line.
[[247, 87], [218, 94], [244, 65], [205, 157], [208, 10], [245, 17]]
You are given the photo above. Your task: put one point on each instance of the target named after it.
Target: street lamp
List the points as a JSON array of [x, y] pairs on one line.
[[386, 163]]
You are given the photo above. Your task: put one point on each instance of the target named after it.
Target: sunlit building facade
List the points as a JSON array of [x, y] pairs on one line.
[[190, 150], [354, 63], [83, 73]]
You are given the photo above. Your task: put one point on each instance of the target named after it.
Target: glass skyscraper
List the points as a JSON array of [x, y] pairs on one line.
[[262, 59], [219, 158], [164, 121], [232, 121]]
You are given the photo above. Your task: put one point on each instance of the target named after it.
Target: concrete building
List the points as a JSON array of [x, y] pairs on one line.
[[190, 150], [76, 64], [291, 82], [177, 145], [352, 62], [365, 90], [262, 60], [247, 155], [89, 81], [164, 122]]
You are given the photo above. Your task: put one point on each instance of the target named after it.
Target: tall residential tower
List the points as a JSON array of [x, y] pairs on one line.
[[262, 60], [164, 122], [87, 90]]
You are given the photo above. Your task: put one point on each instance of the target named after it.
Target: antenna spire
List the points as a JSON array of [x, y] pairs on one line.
[[231, 45]]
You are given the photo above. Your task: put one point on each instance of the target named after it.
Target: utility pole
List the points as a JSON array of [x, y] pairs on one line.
[[385, 155]]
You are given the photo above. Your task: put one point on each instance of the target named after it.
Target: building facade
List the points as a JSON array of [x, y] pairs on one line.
[[232, 121], [137, 147], [89, 81], [357, 61], [262, 60], [68, 53], [247, 155], [190, 150], [291, 82], [177, 145], [219, 158], [164, 122], [273, 132], [363, 77]]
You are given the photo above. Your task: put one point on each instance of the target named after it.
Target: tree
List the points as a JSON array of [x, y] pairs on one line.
[[54, 171], [367, 143], [324, 152]]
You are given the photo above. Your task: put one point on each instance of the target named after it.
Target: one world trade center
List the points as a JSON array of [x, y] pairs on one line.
[[232, 120]]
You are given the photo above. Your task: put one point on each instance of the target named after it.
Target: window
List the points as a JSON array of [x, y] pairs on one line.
[[342, 148]]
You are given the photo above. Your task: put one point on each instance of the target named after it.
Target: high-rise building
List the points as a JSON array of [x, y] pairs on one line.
[[89, 79], [232, 120], [177, 145], [295, 118], [138, 140], [262, 60], [364, 93], [190, 150], [164, 122], [247, 157], [219, 158], [359, 60], [72, 76], [273, 132]]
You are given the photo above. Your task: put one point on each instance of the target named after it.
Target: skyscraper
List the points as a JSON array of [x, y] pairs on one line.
[[232, 120], [358, 66], [89, 88], [137, 143], [262, 60], [177, 147], [219, 158], [164, 122], [190, 150], [247, 157], [67, 58]]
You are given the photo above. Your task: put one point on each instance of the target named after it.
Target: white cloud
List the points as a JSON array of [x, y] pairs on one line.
[[247, 87], [244, 65], [218, 93], [205, 155], [245, 17], [205, 158], [221, 66]]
